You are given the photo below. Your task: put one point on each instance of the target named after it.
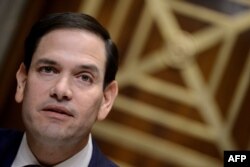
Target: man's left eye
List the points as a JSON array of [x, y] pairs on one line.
[[86, 78]]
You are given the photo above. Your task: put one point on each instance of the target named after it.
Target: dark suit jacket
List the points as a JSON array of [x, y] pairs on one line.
[[10, 141]]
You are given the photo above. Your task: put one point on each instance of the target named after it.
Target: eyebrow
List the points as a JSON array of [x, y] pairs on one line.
[[46, 61], [89, 67]]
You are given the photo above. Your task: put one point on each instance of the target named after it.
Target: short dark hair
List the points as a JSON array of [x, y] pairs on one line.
[[77, 21]]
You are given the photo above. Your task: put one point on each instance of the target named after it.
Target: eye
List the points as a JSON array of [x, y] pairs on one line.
[[47, 70], [86, 78]]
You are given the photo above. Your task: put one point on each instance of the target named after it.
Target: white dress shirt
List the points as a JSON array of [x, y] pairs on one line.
[[25, 157]]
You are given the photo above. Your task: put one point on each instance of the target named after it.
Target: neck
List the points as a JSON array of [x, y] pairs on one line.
[[52, 153]]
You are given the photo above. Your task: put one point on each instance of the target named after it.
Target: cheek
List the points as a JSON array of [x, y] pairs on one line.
[[33, 95], [36, 89], [88, 107]]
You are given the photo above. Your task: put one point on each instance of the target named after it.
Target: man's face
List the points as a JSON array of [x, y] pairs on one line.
[[62, 93]]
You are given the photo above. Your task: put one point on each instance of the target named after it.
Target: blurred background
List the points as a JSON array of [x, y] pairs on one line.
[[184, 76]]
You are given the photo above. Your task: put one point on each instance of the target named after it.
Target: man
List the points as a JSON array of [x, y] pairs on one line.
[[65, 84]]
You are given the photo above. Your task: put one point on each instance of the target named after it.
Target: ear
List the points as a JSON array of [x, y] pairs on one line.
[[21, 77], [109, 96]]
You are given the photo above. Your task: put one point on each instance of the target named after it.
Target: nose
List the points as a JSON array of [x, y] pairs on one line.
[[61, 90]]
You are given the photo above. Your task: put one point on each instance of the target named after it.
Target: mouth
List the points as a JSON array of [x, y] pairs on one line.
[[59, 110]]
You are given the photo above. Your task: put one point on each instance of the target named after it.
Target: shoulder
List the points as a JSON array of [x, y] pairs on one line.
[[9, 138], [7, 135], [98, 159], [9, 144]]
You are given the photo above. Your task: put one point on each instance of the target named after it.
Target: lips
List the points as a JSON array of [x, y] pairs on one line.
[[58, 110]]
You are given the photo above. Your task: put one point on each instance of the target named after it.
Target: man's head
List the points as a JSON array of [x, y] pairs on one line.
[[73, 21], [66, 82]]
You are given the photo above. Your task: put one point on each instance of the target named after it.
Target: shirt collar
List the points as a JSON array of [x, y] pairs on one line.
[[25, 156]]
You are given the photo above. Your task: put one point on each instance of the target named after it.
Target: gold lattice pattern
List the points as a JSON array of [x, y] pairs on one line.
[[176, 104]]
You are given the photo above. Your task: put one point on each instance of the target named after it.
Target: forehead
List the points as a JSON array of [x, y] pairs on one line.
[[79, 37], [72, 44]]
